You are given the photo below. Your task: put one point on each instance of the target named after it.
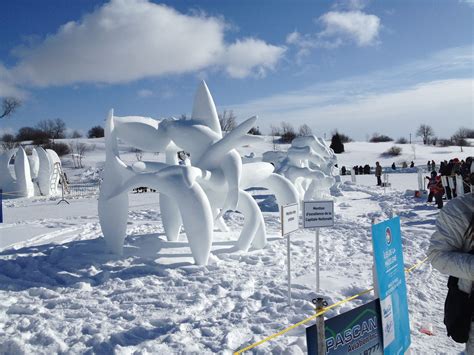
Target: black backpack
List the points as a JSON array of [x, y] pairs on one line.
[[459, 305], [458, 310]]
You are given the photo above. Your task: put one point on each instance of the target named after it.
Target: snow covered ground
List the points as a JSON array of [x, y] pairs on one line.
[[60, 293]]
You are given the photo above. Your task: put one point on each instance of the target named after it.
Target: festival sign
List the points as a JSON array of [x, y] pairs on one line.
[[289, 219], [358, 331], [390, 272], [318, 214]]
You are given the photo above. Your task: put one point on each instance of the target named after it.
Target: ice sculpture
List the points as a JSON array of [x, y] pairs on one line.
[[310, 165], [37, 175], [212, 179]]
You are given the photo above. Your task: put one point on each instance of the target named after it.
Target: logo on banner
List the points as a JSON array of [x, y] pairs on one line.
[[388, 236]]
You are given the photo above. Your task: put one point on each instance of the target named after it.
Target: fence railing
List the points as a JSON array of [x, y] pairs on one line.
[[80, 189]]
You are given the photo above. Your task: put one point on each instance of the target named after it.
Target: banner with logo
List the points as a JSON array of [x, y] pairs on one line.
[[390, 272], [357, 331]]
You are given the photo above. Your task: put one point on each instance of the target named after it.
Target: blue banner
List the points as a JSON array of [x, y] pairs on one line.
[[390, 272], [357, 332]]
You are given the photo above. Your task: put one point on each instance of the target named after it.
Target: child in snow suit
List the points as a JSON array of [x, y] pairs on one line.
[[436, 189]]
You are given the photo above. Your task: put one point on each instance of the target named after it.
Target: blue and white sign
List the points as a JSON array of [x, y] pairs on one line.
[[388, 256], [357, 332], [1, 206]]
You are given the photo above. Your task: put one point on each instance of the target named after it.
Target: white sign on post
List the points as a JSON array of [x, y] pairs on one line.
[[289, 219], [318, 214], [289, 223]]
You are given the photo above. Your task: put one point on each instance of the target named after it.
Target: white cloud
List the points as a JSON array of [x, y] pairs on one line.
[[446, 104], [144, 93], [468, 2], [7, 87], [250, 55], [126, 40], [304, 44], [339, 28], [393, 101], [355, 26]]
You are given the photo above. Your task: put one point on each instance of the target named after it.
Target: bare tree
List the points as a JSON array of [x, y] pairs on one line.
[[288, 132], [305, 130], [460, 137], [274, 132], [54, 128], [78, 150], [8, 142], [425, 132], [227, 120], [96, 132], [9, 105], [76, 134]]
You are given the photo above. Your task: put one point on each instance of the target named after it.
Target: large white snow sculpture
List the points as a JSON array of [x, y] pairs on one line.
[[226, 176], [213, 176], [37, 175], [310, 164], [175, 181]]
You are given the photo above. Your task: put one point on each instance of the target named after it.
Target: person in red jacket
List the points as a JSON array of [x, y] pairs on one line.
[[436, 189]]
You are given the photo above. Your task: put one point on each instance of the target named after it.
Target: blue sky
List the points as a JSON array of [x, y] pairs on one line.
[[357, 66]]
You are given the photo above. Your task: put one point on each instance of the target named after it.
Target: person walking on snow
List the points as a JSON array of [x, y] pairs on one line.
[[378, 173], [450, 248]]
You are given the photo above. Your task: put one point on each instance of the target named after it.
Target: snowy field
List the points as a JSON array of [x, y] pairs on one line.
[[60, 294]]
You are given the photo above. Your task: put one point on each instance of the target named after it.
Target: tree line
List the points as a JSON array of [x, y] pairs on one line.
[[46, 133]]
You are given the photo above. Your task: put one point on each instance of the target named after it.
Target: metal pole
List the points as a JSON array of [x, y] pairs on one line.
[[1, 206], [320, 303], [62, 195], [316, 244], [289, 267]]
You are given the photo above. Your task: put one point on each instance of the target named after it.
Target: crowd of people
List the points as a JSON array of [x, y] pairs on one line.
[[367, 169], [444, 183]]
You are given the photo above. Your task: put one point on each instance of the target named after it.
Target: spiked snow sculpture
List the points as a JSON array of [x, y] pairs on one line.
[[310, 165], [213, 170], [175, 181], [38, 175]]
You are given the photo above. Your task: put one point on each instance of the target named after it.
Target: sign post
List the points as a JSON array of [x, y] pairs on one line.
[[1, 206], [385, 182], [390, 284], [353, 177], [421, 181], [318, 214], [289, 224], [357, 331], [459, 185]]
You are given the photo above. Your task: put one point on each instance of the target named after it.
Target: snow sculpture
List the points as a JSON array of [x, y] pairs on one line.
[[36, 175], [216, 153], [310, 165], [174, 181], [213, 176]]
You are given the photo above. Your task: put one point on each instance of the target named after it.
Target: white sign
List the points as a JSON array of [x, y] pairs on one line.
[[289, 219], [318, 214]]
